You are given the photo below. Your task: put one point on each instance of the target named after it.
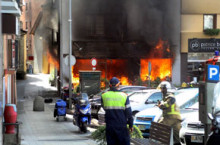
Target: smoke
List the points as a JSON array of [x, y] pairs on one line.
[[48, 29], [142, 22], [153, 20]]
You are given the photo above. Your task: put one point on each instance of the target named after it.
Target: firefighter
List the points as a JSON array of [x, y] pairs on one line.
[[171, 113], [117, 115]]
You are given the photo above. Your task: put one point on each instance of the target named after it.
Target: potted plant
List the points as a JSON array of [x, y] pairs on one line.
[[211, 32]]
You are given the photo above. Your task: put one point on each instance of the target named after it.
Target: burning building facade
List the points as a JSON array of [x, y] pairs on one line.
[[124, 36]]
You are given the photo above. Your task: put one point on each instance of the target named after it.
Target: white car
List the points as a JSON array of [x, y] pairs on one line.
[[192, 130], [141, 100], [184, 99]]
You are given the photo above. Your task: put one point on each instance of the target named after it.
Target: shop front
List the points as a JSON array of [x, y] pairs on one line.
[[199, 50]]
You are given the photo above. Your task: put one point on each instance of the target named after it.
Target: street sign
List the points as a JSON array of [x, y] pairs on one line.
[[149, 68], [72, 60], [94, 62], [213, 73]]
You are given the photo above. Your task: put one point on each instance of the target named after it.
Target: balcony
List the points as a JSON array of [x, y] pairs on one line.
[[11, 7]]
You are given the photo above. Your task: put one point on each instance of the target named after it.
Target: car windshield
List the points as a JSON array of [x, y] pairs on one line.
[[126, 89], [138, 97], [216, 98], [194, 106], [187, 97]]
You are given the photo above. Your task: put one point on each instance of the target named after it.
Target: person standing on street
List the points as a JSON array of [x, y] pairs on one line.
[[117, 115], [171, 113]]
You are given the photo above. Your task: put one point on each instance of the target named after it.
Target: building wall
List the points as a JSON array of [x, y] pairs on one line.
[[22, 53], [29, 15], [192, 27], [1, 78], [38, 54], [200, 6]]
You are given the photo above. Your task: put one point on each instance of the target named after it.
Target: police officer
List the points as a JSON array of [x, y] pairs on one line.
[[117, 115], [171, 113]]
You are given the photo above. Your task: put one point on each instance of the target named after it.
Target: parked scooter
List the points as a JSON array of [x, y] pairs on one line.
[[65, 93], [82, 114], [214, 137]]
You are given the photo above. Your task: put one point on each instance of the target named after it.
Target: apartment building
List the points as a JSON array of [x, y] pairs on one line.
[[200, 24], [30, 12], [10, 33]]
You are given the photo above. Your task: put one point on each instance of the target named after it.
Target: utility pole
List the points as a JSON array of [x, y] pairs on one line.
[[70, 54], [61, 47]]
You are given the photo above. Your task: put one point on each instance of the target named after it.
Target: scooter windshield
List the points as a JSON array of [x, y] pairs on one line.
[[216, 98]]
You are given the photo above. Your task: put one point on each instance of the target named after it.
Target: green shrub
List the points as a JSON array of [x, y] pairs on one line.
[[211, 32], [100, 137]]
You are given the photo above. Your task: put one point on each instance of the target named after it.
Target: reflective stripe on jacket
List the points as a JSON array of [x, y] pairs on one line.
[[114, 100], [117, 108], [169, 106]]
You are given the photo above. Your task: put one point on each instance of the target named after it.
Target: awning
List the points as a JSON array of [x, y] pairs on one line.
[[199, 57], [10, 7]]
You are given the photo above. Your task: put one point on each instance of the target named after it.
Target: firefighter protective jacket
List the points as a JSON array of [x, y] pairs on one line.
[[117, 108], [169, 107]]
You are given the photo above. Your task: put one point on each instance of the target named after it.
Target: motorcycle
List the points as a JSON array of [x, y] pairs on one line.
[[82, 114], [214, 136]]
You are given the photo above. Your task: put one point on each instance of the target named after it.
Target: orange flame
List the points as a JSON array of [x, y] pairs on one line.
[[108, 68], [159, 68], [124, 81], [52, 60], [161, 50]]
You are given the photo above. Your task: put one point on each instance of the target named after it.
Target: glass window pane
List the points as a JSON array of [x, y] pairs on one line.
[[208, 22]]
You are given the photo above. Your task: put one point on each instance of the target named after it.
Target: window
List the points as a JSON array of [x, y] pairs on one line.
[[155, 97], [209, 21], [95, 24], [26, 7], [30, 5]]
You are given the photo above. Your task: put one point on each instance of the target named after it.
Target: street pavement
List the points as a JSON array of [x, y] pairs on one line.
[[40, 127]]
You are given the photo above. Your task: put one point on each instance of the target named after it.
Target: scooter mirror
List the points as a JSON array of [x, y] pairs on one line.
[[210, 116]]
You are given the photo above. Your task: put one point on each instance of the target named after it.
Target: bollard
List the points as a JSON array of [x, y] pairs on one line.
[[38, 104], [10, 116]]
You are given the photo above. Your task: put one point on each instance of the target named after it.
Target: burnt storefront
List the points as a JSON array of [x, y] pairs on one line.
[[125, 36]]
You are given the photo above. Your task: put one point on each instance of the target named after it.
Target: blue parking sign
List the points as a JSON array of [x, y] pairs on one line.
[[213, 73]]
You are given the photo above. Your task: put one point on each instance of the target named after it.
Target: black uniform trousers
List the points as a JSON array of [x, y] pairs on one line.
[[117, 135]]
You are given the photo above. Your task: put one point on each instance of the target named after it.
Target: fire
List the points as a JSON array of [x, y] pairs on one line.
[[159, 57], [124, 81], [52, 60], [161, 50], [75, 80], [159, 68], [108, 68]]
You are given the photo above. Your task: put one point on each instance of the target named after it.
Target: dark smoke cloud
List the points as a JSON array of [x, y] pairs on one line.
[[48, 25], [148, 20], [153, 19]]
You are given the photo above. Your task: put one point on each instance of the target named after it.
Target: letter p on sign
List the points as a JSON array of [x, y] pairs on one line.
[[213, 73]]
